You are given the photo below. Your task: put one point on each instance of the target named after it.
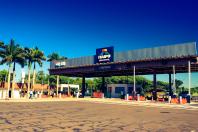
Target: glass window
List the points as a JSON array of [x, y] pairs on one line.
[[119, 89], [130, 90], [65, 89]]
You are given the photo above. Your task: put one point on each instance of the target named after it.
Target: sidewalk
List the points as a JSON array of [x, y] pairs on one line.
[[192, 106]]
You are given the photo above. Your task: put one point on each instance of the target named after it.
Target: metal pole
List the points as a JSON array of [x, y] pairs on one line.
[[170, 85], [174, 84], [189, 77], [134, 87]]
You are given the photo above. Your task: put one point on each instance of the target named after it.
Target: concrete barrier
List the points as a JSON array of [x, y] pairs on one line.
[[103, 95], [138, 97], [59, 95], [127, 97], [77, 95], [180, 99], [169, 99]]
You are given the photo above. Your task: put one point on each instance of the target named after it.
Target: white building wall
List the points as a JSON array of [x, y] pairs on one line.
[[61, 86], [3, 94], [16, 94]]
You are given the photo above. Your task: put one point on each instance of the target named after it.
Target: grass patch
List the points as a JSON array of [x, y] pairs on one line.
[[195, 94]]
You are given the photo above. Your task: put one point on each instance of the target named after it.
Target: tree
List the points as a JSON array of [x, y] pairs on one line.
[[90, 85], [29, 56], [20, 59], [163, 85], [178, 84], [54, 57], [40, 77], [1, 43], [11, 54], [3, 75], [52, 80], [147, 85], [78, 81], [194, 91], [38, 57]]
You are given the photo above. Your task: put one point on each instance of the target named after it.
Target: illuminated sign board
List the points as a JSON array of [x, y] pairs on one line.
[[59, 63], [104, 55]]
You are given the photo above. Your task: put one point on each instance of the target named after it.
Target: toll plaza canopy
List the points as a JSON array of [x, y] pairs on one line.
[[106, 62]]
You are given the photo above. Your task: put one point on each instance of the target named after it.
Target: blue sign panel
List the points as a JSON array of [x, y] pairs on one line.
[[104, 55]]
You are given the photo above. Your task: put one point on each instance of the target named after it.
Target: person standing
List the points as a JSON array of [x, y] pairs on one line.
[[31, 93]]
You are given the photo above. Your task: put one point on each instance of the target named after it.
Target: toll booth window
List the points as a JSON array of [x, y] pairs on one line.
[[130, 90], [119, 89], [65, 89]]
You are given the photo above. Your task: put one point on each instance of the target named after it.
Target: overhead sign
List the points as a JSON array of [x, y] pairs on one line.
[[60, 63], [104, 55]]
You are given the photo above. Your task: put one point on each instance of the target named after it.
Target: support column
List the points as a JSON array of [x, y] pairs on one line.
[[154, 86], [189, 78], [48, 87], [57, 85], [68, 89], [170, 85], [83, 87], [174, 78], [134, 82], [103, 87]]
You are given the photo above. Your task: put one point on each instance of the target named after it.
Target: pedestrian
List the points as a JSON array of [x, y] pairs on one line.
[[31, 93]]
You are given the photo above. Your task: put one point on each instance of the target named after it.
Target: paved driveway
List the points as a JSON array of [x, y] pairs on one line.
[[89, 116]]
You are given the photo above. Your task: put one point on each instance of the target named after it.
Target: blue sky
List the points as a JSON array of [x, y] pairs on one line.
[[76, 28]]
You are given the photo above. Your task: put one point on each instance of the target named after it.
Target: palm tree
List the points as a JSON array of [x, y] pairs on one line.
[[29, 56], [20, 59], [38, 58], [1, 43], [11, 53], [1, 48], [54, 57]]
